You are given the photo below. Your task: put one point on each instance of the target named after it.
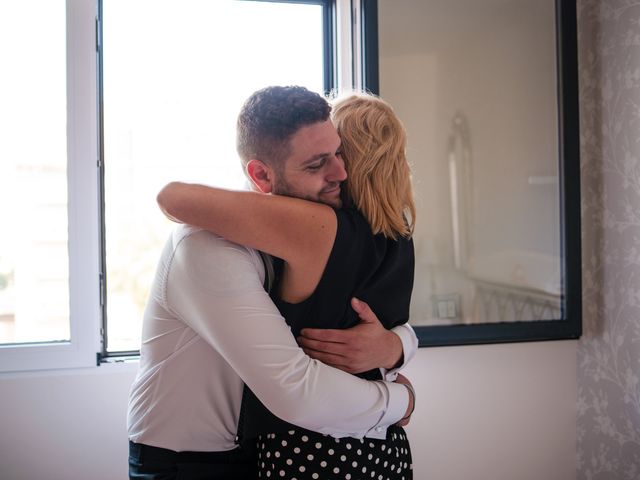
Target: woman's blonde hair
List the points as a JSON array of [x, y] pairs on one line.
[[379, 176]]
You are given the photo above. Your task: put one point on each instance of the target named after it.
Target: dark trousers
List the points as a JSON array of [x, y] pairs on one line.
[[153, 463]]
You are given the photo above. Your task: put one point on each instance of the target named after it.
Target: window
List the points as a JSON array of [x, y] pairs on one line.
[[34, 272], [175, 74], [48, 267], [101, 103]]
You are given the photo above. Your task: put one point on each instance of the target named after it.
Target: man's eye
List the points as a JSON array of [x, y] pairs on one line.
[[315, 167], [339, 153]]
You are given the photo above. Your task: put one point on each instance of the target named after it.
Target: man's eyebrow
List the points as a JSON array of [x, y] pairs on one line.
[[319, 156], [315, 158]]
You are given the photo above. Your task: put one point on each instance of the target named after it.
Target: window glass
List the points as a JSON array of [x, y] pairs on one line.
[[34, 262], [175, 74]]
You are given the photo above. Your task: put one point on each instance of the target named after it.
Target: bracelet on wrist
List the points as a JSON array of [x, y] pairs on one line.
[[412, 393]]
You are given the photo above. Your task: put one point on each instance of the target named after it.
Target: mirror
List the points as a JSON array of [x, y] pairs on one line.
[[487, 90]]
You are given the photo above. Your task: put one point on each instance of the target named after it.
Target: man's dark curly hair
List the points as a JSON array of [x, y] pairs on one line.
[[271, 116]]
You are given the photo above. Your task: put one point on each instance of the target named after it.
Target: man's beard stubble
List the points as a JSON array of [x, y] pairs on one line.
[[282, 187]]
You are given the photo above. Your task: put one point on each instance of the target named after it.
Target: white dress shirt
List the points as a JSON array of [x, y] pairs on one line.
[[209, 326]]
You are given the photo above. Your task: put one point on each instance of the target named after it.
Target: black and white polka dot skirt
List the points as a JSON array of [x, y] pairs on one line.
[[301, 455]]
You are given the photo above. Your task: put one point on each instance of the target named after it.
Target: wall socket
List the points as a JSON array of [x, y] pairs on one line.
[[446, 306]]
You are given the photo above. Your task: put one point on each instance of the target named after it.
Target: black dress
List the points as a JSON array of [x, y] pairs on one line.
[[379, 271]]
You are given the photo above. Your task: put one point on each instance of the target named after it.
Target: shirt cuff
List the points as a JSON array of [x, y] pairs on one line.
[[396, 409], [409, 348]]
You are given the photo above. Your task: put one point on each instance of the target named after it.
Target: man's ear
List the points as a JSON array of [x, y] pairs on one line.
[[261, 175]]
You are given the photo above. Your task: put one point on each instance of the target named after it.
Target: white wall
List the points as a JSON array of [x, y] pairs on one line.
[[494, 412], [65, 425]]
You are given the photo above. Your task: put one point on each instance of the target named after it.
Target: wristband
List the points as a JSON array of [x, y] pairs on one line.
[[412, 392]]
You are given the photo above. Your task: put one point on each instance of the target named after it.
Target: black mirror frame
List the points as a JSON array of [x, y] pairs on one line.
[[570, 326]]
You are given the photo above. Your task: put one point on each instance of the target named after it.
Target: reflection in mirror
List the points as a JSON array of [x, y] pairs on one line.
[[475, 82]]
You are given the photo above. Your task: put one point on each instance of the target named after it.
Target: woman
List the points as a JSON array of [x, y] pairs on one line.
[[327, 257]]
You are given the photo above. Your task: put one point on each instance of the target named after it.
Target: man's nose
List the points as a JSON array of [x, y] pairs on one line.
[[337, 172]]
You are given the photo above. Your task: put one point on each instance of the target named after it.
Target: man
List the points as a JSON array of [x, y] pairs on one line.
[[210, 325]]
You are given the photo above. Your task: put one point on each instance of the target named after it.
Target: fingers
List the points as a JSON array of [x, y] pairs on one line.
[[336, 361], [358, 305], [326, 335], [368, 319], [333, 348], [364, 311]]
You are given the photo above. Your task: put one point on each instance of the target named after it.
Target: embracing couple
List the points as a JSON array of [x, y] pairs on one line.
[[276, 324]]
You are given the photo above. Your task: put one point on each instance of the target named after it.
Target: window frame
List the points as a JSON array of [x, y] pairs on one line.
[[83, 232]]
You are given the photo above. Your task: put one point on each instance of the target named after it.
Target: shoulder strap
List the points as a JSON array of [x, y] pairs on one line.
[[269, 275]]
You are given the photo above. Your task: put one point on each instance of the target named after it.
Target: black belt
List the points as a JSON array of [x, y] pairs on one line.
[[147, 452]]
